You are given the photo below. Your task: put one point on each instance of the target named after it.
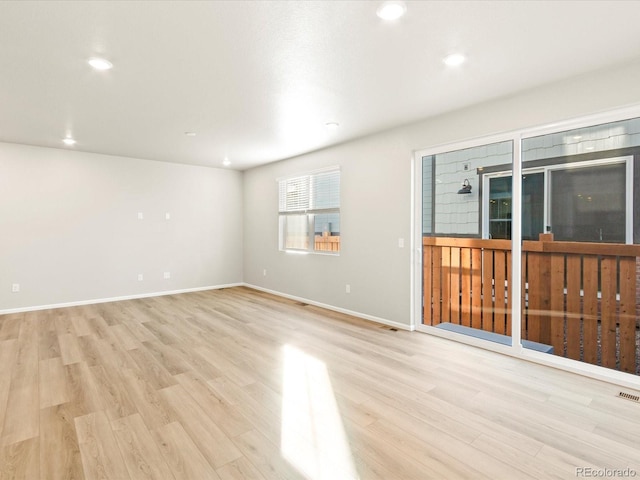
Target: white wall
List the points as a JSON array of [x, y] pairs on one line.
[[376, 195], [69, 227], [69, 230]]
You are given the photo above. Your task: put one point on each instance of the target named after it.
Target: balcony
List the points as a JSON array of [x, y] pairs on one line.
[[578, 297]]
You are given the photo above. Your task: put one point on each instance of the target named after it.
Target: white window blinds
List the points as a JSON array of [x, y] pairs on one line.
[[317, 192]]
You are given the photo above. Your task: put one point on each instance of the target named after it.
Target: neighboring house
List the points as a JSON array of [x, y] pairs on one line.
[[577, 184]]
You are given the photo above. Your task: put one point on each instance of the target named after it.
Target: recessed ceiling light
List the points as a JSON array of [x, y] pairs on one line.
[[332, 125], [391, 10], [190, 134], [100, 63], [454, 59], [577, 137], [68, 141], [226, 162]]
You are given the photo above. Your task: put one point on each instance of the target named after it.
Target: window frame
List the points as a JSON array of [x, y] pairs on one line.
[[309, 212], [517, 134], [546, 170]]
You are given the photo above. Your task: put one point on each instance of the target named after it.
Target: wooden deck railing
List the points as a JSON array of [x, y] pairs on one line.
[[578, 297]]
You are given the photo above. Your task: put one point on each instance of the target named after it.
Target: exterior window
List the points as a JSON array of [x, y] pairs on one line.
[[585, 202], [309, 211], [532, 206], [588, 204]]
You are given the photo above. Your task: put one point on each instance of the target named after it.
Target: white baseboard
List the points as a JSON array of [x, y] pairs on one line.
[[116, 299], [364, 316]]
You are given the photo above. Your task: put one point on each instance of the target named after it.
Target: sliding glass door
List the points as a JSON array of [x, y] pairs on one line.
[[579, 279], [465, 276], [567, 286]]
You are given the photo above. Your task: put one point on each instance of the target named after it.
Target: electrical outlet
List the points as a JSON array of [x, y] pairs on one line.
[[167, 216], [348, 288], [140, 216], [167, 275], [15, 288], [140, 277], [264, 272], [401, 243]]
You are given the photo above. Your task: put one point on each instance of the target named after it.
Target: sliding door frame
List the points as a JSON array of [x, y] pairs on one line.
[[515, 349]]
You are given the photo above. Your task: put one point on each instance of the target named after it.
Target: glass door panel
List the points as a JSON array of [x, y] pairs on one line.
[[580, 280], [465, 277]]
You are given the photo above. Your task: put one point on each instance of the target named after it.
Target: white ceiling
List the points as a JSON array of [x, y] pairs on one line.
[[258, 80]]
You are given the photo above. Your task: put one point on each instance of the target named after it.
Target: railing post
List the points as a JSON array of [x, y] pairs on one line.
[[539, 294], [427, 276]]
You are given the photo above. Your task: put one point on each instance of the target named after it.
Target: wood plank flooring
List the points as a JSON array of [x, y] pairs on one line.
[[238, 384]]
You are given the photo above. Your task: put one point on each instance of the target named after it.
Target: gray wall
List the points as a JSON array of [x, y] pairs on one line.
[[374, 213], [376, 195], [69, 227], [69, 230]]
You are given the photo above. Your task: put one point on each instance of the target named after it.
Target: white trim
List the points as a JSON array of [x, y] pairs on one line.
[[629, 193], [364, 316], [309, 213], [484, 207], [116, 299], [620, 114], [573, 366], [517, 135], [546, 203], [416, 242], [464, 144], [624, 113], [627, 160], [547, 170], [516, 246], [604, 374]]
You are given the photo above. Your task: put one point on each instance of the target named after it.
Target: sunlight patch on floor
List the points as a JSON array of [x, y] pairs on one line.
[[313, 439]]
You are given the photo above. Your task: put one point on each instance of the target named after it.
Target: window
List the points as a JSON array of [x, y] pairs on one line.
[[500, 200], [588, 204], [584, 202], [309, 211]]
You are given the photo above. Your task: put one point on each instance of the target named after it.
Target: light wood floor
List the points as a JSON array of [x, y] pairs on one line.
[[235, 384]]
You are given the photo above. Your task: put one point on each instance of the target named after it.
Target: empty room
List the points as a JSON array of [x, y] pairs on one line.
[[321, 240]]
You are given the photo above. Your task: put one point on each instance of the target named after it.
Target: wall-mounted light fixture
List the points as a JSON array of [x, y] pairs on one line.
[[466, 187]]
